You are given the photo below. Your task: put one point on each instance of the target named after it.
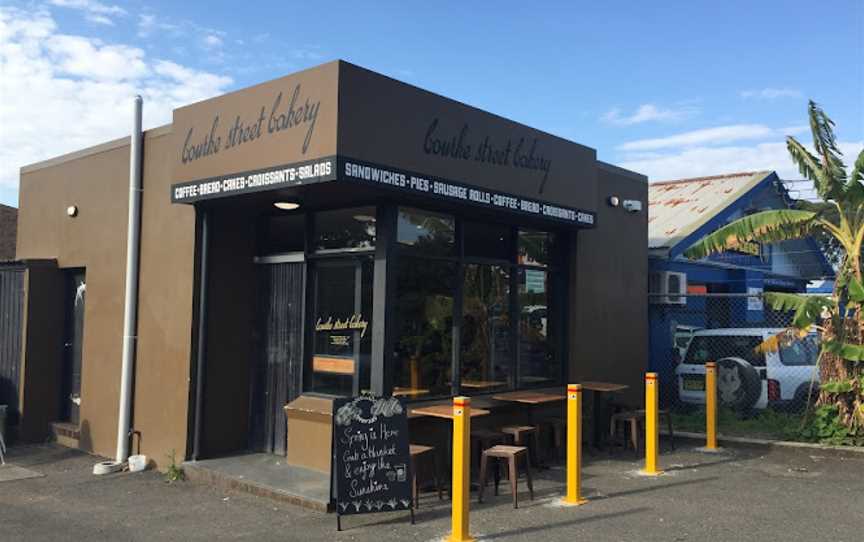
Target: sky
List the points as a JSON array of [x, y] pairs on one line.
[[671, 89]]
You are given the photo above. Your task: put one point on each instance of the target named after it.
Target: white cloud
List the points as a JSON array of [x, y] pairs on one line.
[[149, 24], [702, 160], [100, 19], [771, 93], [648, 113], [94, 11], [212, 41], [705, 136], [61, 92]]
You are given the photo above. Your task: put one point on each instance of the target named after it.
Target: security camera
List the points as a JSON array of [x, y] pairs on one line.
[[632, 205]]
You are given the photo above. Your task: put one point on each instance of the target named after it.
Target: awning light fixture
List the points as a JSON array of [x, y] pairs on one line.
[[287, 205]]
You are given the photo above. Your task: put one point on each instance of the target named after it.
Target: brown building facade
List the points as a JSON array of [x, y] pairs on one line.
[[328, 233]]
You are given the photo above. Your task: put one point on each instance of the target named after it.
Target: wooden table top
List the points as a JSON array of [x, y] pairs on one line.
[[442, 411], [603, 386], [531, 397], [409, 392], [482, 384]]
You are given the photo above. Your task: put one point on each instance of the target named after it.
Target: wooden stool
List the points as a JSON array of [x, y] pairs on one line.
[[633, 418], [520, 434], [512, 454], [416, 451], [558, 427], [482, 439]]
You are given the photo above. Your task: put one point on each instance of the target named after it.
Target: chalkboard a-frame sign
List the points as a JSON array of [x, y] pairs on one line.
[[371, 461]]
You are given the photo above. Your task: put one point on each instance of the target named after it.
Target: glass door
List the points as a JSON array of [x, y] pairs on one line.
[[340, 361]]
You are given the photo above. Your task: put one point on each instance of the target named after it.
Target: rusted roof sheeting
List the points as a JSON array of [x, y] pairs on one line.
[[678, 208]]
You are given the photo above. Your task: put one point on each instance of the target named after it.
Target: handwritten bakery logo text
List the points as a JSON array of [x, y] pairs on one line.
[[283, 114], [522, 153]]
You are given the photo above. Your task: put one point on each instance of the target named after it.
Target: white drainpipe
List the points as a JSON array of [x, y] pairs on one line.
[[130, 312]]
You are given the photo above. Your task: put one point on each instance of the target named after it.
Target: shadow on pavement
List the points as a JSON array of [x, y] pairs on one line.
[[568, 523]]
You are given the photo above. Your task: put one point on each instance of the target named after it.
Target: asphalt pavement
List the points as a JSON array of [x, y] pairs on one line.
[[758, 494]]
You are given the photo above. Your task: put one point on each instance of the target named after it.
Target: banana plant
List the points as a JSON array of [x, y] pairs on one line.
[[839, 219]]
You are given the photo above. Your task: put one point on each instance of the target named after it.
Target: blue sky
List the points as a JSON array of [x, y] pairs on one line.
[[671, 89]]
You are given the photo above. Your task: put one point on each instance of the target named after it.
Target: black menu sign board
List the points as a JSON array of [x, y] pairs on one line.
[[371, 462]]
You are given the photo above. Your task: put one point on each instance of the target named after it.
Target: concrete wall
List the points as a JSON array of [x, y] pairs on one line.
[[609, 289], [96, 180]]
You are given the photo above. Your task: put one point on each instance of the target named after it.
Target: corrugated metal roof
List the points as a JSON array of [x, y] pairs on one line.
[[678, 208]]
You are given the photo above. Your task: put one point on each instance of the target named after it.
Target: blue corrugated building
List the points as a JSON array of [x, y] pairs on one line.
[[682, 212]]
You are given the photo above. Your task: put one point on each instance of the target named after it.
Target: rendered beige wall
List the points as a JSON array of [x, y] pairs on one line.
[[96, 180]]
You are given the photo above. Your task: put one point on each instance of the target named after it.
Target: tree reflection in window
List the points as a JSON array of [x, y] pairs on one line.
[[486, 330], [345, 229], [430, 234], [424, 322]]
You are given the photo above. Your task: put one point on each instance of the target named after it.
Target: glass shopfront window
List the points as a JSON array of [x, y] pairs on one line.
[[423, 312], [535, 247], [342, 326], [431, 234], [345, 229], [498, 285], [488, 241], [487, 359], [538, 362]]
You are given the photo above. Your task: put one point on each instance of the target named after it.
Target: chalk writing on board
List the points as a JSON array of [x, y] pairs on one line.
[[371, 460]]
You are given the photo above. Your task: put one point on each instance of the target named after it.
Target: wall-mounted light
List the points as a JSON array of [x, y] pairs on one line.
[[287, 205], [613, 201], [72, 211]]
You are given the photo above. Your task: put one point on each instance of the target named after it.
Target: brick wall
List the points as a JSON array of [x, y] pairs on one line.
[[8, 232]]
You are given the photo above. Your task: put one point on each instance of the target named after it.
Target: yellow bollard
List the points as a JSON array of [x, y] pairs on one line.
[[711, 406], [652, 427], [574, 446], [461, 469]]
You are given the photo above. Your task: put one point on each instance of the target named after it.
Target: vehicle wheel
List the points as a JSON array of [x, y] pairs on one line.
[[802, 395], [738, 384]]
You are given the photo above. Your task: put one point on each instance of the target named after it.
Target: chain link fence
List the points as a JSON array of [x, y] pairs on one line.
[[761, 394]]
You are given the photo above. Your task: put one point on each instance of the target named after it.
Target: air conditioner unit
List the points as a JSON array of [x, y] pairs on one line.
[[667, 288]]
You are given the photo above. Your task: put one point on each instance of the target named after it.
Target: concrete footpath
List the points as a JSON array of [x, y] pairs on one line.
[[748, 494]]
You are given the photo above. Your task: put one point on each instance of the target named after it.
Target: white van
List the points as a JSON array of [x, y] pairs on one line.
[[745, 378]]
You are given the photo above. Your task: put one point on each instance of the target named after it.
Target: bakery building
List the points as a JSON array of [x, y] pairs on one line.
[[329, 233]]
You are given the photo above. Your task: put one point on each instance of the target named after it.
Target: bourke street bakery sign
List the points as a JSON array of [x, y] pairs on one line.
[[280, 133], [284, 133]]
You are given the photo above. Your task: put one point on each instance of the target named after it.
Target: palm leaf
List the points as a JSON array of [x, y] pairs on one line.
[[765, 226], [855, 290], [857, 175], [851, 352], [854, 190], [808, 164], [825, 143], [808, 308]]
